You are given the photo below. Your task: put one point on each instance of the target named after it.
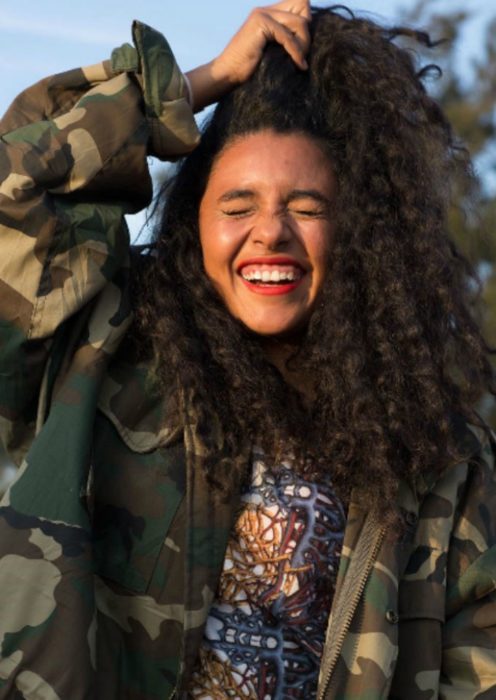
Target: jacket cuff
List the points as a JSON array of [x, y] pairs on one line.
[[173, 130]]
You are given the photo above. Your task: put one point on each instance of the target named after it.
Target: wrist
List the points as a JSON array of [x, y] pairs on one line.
[[222, 75], [208, 83]]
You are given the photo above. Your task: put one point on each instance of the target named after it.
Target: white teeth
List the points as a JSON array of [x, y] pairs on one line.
[[274, 276]]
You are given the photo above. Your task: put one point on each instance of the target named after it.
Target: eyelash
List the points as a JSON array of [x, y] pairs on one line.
[[307, 213], [237, 213]]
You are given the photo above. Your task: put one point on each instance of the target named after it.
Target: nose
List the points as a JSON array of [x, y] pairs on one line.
[[271, 230]]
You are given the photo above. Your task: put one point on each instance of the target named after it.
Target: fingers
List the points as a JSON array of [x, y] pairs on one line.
[[292, 34], [286, 27], [297, 7], [285, 22]]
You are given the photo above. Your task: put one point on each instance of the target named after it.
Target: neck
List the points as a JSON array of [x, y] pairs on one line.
[[279, 352]]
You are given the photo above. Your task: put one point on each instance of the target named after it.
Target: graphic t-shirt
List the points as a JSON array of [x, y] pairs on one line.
[[266, 628]]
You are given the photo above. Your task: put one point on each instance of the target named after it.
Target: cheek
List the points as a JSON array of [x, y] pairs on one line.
[[220, 242], [209, 242], [320, 249], [212, 250]]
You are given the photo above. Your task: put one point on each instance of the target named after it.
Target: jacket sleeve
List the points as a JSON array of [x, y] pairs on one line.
[[468, 668], [73, 162]]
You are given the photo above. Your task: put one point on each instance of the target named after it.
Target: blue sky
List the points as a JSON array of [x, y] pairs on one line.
[[38, 39], [41, 38]]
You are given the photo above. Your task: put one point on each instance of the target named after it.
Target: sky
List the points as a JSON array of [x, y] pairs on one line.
[[38, 39]]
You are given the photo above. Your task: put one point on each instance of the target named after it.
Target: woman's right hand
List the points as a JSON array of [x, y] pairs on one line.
[[284, 22]]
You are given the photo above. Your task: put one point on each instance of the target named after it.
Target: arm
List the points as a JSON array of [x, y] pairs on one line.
[[66, 182], [72, 163], [469, 636]]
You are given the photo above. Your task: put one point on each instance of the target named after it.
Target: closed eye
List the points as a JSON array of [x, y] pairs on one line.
[[309, 204], [237, 213], [309, 213]]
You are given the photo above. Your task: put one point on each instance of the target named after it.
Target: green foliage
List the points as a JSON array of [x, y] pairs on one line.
[[467, 92]]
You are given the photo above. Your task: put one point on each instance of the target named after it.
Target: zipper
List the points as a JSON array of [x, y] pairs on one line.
[[363, 561]]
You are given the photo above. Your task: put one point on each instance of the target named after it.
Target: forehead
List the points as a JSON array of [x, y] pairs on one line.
[[271, 157]]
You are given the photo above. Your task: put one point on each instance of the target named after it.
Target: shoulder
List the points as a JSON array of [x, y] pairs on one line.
[[478, 493]]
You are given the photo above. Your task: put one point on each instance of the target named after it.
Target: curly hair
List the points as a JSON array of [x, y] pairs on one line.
[[393, 345]]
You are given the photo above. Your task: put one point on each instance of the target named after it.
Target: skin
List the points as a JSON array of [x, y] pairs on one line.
[[269, 200], [285, 23]]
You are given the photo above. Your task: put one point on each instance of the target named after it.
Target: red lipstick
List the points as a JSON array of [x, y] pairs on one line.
[[271, 288]]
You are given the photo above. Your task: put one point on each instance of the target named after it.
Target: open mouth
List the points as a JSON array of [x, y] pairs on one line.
[[271, 274], [281, 273]]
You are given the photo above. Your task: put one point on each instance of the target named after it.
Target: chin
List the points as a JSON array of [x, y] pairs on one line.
[[286, 332]]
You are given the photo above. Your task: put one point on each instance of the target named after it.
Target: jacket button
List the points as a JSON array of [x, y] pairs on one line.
[[411, 519], [392, 617]]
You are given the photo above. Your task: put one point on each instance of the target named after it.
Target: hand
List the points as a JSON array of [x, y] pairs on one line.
[[285, 22]]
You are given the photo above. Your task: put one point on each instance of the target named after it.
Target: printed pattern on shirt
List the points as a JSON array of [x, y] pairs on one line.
[[265, 631]]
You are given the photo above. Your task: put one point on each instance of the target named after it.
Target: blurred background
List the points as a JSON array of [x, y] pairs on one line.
[[38, 39]]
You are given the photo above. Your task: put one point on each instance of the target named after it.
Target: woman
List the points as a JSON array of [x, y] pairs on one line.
[[271, 484]]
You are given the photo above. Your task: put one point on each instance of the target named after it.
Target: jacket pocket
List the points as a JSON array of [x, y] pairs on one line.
[[134, 499], [418, 664], [420, 620]]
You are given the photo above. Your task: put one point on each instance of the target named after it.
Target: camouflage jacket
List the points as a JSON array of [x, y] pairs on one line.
[[111, 543]]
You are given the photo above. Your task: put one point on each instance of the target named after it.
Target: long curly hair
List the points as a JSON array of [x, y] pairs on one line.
[[393, 345]]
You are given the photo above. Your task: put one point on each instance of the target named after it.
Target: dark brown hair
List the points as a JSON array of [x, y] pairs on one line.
[[393, 344]]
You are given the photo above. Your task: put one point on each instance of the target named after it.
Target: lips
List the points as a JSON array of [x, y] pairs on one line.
[[271, 275]]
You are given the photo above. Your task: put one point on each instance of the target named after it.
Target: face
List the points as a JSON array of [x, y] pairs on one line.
[[266, 229]]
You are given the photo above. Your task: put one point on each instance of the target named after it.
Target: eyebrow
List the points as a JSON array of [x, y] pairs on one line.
[[293, 195], [308, 194], [236, 194]]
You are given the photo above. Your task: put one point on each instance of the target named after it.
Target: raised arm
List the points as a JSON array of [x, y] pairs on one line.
[[73, 161]]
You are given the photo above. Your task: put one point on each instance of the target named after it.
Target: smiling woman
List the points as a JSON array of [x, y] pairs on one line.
[[251, 463], [266, 229]]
